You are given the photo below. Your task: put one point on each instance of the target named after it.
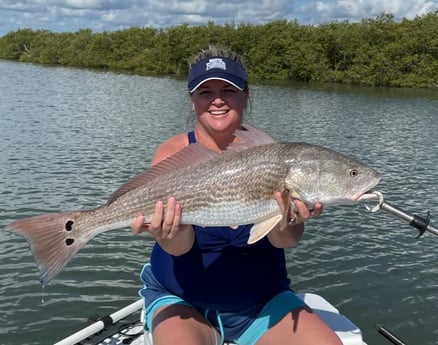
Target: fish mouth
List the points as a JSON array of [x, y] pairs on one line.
[[366, 196], [366, 193]]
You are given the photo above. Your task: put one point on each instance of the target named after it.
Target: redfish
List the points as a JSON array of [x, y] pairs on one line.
[[233, 188]]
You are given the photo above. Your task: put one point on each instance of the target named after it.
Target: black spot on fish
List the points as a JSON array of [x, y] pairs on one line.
[[69, 241], [69, 225]]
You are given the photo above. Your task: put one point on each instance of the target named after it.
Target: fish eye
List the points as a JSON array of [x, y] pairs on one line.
[[354, 172]]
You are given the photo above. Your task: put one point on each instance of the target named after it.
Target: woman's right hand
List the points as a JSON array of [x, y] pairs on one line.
[[165, 226], [165, 221]]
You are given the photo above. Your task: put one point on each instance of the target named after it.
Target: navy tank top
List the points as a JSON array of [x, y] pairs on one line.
[[221, 271]]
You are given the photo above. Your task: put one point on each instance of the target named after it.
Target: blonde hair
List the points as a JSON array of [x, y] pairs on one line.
[[214, 51]]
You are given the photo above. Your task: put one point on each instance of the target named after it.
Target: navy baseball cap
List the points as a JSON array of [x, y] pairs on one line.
[[221, 68]]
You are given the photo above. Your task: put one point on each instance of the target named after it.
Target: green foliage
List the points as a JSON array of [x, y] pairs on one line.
[[375, 52]]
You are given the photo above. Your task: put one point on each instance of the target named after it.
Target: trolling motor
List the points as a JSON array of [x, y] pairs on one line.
[[420, 223]]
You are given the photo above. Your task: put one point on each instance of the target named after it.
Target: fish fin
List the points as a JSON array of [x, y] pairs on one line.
[[52, 239], [260, 230], [191, 154], [287, 206], [250, 136], [186, 157]]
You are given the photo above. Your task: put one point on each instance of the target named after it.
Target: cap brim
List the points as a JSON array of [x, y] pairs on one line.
[[241, 87]]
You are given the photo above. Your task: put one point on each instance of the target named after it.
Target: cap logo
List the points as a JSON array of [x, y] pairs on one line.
[[216, 63]]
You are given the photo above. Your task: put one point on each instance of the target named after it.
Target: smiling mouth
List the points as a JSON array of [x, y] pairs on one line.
[[218, 112]]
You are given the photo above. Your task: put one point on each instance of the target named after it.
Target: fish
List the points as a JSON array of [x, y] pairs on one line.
[[235, 187]]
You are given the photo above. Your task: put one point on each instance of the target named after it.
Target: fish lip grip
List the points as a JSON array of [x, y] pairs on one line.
[[377, 207], [420, 223]]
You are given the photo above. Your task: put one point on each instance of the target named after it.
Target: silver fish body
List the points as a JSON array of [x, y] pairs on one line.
[[228, 189]]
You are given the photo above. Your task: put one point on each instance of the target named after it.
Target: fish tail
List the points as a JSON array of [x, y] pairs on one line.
[[53, 239]]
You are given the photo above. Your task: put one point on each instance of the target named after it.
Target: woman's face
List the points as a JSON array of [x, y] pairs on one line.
[[219, 105]]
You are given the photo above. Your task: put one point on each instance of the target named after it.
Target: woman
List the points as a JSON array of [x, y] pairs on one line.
[[207, 285]]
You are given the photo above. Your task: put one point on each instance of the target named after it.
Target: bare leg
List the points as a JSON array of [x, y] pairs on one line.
[[182, 325], [301, 326]]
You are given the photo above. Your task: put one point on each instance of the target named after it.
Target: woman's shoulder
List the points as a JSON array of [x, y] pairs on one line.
[[169, 147]]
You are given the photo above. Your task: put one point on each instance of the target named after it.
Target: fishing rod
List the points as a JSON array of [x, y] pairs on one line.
[[389, 335], [420, 223]]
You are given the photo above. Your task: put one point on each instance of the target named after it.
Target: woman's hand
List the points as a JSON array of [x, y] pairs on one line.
[[164, 223], [298, 212], [295, 212], [302, 212], [166, 227]]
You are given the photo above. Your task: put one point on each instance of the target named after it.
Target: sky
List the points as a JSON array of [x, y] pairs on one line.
[[112, 15]]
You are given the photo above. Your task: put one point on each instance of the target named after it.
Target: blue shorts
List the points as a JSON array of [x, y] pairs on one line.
[[243, 328]]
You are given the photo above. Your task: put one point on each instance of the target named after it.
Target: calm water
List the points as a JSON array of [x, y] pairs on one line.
[[70, 137]]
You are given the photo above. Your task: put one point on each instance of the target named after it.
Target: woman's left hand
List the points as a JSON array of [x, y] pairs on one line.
[[295, 212], [298, 212], [302, 212]]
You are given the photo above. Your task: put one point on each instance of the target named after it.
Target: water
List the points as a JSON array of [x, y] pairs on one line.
[[69, 137]]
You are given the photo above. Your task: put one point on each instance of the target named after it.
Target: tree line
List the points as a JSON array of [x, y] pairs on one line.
[[372, 52]]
